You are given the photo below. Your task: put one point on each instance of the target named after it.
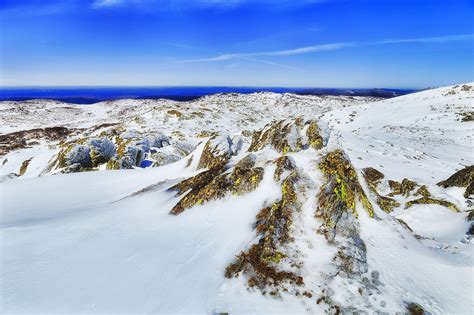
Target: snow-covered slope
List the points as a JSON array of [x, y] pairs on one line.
[[279, 204]]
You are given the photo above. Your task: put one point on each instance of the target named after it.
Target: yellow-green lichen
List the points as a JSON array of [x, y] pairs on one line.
[[24, 166], [429, 200]]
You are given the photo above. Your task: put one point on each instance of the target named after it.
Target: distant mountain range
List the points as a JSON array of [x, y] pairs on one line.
[[90, 95]]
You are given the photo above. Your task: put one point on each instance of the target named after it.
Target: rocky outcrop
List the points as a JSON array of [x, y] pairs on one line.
[[260, 262], [462, 178], [218, 150], [337, 208], [429, 200], [217, 182], [373, 177], [24, 166], [288, 136], [404, 188]]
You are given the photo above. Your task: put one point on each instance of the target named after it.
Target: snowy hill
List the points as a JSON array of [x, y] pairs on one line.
[[231, 203]]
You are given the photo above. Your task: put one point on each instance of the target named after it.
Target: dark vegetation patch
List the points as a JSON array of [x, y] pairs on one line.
[[22, 139]]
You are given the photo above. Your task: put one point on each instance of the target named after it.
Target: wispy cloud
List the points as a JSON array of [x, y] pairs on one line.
[[160, 5], [107, 3], [289, 52], [28, 10], [421, 40], [331, 47]]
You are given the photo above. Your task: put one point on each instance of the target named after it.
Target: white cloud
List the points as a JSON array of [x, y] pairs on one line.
[[438, 39], [160, 5], [289, 52], [106, 3], [333, 46]]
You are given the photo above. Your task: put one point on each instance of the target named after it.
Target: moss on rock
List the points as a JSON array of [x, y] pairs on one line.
[[217, 152], [285, 136], [462, 178], [314, 136], [373, 178], [342, 187], [24, 166], [404, 188], [215, 183], [283, 163], [415, 309], [423, 191], [429, 200], [273, 224], [387, 204]]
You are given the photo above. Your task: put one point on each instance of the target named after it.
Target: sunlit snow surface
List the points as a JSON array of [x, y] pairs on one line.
[[85, 243]]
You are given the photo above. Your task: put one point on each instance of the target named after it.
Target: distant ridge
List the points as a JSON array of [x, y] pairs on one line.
[[90, 95]]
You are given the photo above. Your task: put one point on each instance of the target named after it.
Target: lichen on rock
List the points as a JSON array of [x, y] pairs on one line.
[[283, 164], [404, 188], [216, 182], [102, 150], [423, 191], [260, 261], [24, 166], [218, 150], [462, 178], [342, 187], [429, 200], [286, 136], [244, 177], [373, 178], [415, 309], [313, 133]]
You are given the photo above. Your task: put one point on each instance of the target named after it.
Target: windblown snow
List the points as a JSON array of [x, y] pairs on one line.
[[232, 203]]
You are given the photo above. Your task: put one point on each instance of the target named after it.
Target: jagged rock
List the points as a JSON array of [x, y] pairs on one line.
[[24, 166], [79, 154], [218, 150], [314, 135], [286, 136], [405, 225], [387, 204], [283, 164], [470, 215], [273, 223], [215, 183], [469, 193], [462, 178], [273, 134], [245, 177], [132, 156], [423, 191], [471, 229], [429, 200], [337, 209], [342, 187], [204, 189], [404, 188], [416, 309], [373, 178], [183, 148], [206, 134], [162, 158], [102, 150]]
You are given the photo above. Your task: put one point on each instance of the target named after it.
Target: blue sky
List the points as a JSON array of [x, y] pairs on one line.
[[306, 43]]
